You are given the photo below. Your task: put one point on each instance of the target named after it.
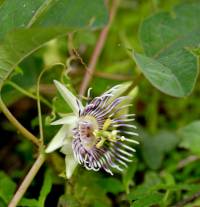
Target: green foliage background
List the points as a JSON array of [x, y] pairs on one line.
[[156, 40]]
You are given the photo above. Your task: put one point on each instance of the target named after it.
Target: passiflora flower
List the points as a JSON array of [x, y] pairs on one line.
[[99, 135]]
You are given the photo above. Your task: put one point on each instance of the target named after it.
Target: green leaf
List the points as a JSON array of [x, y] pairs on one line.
[[7, 187], [2, 204], [111, 185], [166, 38], [47, 13], [146, 193], [27, 202], [68, 200], [50, 24], [92, 188], [190, 137], [14, 15], [148, 200], [93, 14], [166, 76], [20, 44], [46, 188], [127, 176], [154, 148]]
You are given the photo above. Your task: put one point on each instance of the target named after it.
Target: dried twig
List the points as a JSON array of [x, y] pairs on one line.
[[187, 200], [97, 50], [27, 181], [101, 74], [187, 160]]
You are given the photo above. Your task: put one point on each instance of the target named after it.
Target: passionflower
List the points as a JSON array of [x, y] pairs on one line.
[[99, 135]]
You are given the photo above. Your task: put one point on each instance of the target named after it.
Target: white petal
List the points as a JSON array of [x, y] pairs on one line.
[[58, 139], [73, 102], [70, 164], [119, 90], [67, 146], [65, 120]]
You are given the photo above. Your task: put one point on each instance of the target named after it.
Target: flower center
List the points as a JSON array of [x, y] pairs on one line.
[[86, 126]]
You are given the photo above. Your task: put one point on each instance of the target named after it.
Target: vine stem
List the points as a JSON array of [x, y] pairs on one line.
[[18, 125], [27, 181], [39, 108], [97, 50], [27, 93], [39, 99]]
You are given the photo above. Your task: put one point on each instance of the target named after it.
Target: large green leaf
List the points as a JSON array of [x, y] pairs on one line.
[[177, 80], [68, 13], [167, 39], [49, 20], [74, 14], [20, 44], [190, 137], [14, 15]]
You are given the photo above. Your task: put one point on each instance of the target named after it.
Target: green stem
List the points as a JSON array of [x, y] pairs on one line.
[[27, 181], [39, 108], [153, 112], [26, 93], [38, 97], [133, 84], [18, 126], [165, 199]]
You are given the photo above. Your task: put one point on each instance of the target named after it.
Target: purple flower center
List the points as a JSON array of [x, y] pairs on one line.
[[86, 127]]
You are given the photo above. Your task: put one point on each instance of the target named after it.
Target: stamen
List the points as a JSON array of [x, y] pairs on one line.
[[129, 140], [125, 125], [128, 132]]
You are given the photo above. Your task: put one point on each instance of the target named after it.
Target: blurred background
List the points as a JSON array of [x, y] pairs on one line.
[[165, 170]]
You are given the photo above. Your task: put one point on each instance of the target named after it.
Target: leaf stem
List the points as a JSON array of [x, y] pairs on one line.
[[38, 99], [39, 108], [27, 181], [28, 94], [18, 126], [97, 50]]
